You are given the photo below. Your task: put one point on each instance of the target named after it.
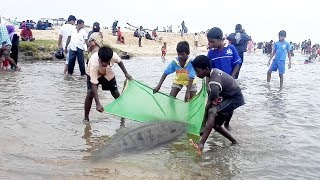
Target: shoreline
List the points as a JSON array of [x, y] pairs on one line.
[[45, 45]]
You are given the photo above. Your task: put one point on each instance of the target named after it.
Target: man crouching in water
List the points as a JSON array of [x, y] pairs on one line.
[[224, 97]]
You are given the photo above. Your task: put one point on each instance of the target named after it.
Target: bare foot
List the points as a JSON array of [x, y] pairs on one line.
[[85, 121], [122, 122], [198, 147], [234, 142]]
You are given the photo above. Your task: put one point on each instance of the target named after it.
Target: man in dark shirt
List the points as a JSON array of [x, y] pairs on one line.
[[239, 39], [224, 97]]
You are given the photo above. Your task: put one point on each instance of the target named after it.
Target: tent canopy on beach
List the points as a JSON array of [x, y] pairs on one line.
[[139, 103]]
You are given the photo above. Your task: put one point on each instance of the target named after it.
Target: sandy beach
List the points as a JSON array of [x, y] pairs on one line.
[[149, 47]]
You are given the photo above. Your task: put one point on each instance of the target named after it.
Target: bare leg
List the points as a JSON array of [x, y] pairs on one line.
[[268, 76], [192, 94], [281, 81], [12, 61], [205, 117], [225, 133], [65, 71], [174, 91], [115, 95], [87, 105], [227, 121]]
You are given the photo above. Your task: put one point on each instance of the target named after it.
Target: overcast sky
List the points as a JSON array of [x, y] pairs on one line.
[[261, 19]]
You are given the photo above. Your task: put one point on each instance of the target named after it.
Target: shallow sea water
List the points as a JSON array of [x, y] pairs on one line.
[[43, 137]]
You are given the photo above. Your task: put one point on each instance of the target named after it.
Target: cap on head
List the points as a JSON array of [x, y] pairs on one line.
[[215, 33], [282, 33], [238, 27]]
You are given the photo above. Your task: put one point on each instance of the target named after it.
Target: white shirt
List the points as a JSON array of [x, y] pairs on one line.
[[66, 31], [196, 38], [78, 39], [94, 67]]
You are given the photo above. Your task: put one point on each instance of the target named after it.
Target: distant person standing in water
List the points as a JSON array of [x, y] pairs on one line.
[[99, 71], [78, 41], [64, 33], [280, 51], [239, 39]]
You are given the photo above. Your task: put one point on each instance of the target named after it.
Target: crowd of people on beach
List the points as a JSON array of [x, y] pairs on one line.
[[220, 67]]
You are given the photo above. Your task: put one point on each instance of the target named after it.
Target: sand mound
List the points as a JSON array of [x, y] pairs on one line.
[[149, 47]]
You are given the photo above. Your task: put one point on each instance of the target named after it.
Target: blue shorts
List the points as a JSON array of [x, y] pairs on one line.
[[278, 65]]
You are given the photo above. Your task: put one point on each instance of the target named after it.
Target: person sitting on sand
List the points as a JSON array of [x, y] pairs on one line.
[[26, 34], [148, 36], [136, 33]]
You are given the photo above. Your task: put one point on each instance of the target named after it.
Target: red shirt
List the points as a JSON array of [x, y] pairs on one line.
[[26, 33]]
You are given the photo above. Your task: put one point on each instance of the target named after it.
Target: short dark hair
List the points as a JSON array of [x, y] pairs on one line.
[[183, 47], [238, 27], [202, 62], [96, 27], [71, 18], [282, 33], [80, 21], [215, 33], [105, 53]]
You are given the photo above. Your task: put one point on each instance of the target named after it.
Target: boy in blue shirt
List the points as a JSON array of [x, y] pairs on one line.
[[185, 73], [280, 50], [223, 56]]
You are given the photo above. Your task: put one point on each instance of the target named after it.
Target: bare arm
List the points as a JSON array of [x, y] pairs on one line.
[[96, 97], [289, 56], [124, 70], [235, 70], [60, 42], [209, 125], [271, 56], [187, 96], [67, 44], [87, 42], [156, 89], [210, 112]]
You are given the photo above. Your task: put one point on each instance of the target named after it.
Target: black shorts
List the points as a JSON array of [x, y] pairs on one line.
[[230, 104], [106, 85], [227, 106]]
